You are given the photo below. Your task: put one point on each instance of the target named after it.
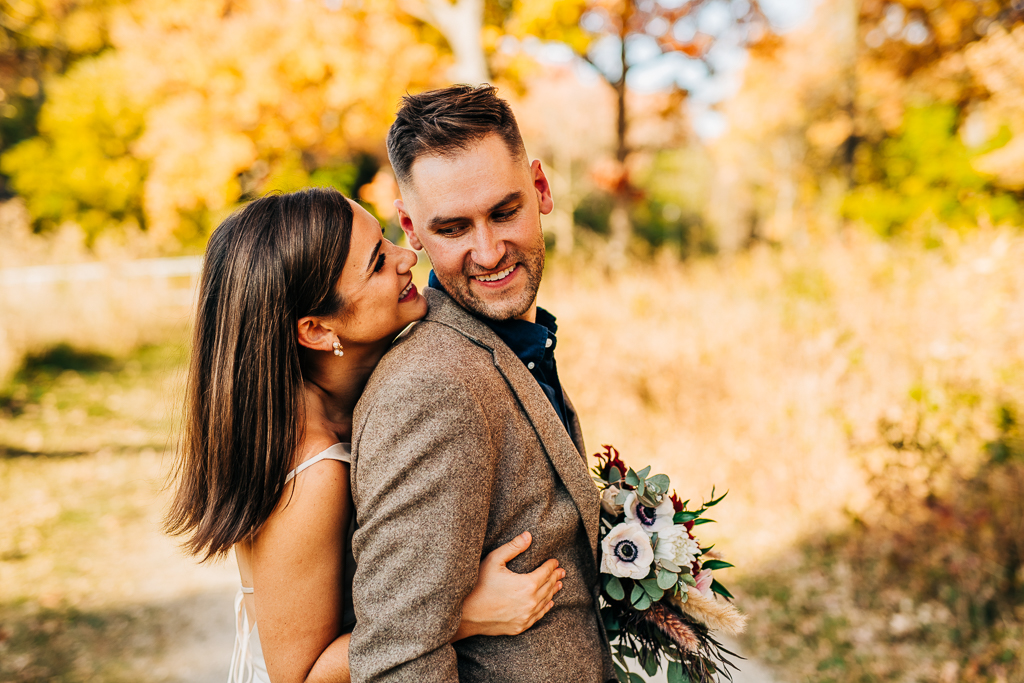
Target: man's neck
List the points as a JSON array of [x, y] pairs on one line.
[[531, 314]]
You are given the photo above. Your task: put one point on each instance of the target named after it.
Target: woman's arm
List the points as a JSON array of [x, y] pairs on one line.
[[298, 562], [298, 565], [504, 603]]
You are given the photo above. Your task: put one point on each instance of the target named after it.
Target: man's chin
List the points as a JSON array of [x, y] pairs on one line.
[[497, 308]]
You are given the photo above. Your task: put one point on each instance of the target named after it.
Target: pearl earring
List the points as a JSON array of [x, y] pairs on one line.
[[338, 349]]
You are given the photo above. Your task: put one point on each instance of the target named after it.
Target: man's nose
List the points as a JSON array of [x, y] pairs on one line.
[[488, 248]]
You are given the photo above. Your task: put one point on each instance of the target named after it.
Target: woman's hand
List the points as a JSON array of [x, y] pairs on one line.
[[504, 603]]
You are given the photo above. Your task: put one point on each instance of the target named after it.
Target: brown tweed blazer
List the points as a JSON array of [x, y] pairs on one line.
[[456, 450]]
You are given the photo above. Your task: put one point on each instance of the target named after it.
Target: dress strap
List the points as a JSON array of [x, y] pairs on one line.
[[342, 452], [242, 670]]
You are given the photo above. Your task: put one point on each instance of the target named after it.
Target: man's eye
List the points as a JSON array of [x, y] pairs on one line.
[[506, 215], [380, 264]]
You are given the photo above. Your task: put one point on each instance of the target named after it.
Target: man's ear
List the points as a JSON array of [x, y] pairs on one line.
[[313, 334], [406, 223], [543, 187]]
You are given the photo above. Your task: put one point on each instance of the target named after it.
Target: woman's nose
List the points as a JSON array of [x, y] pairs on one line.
[[406, 259]]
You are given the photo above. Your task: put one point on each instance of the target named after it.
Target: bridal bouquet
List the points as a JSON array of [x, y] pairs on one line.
[[660, 597]]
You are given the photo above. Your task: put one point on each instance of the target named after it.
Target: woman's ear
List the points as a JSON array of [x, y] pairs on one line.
[[313, 334]]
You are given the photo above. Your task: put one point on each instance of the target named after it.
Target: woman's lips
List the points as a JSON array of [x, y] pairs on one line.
[[408, 294]]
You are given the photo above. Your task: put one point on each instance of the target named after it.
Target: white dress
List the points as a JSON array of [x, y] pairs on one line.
[[247, 663]]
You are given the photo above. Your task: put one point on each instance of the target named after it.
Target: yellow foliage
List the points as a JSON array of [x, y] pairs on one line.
[[221, 85], [995, 63]]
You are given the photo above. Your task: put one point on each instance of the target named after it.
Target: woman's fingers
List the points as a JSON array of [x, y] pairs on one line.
[[504, 554], [542, 574], [551, 585]]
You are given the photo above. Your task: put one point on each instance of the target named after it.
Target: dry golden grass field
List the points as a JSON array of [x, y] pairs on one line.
[[776, 374]]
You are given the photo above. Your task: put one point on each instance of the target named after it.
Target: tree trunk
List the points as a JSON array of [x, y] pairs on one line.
[[620, 226], [462, 25]]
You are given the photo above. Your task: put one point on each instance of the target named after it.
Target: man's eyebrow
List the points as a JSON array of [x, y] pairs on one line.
[[373, 254], [438, 221]]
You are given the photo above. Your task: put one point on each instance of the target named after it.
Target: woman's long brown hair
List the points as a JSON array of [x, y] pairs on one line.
[[271, 263]]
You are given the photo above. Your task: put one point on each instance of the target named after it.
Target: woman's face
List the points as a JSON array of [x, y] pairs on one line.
[[379, 298]]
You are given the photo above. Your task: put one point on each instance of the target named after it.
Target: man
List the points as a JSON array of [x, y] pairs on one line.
[[463, 438]]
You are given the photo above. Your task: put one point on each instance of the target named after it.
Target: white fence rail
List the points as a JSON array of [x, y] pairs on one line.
[[157, 268]]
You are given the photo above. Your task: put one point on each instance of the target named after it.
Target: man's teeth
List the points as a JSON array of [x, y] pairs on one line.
[[495, 276], [405, 292]]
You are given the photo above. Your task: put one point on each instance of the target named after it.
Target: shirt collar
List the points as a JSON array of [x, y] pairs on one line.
[[529, 341]]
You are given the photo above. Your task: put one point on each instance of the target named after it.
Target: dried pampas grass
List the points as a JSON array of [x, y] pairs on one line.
[[673, 627], [718, 615]]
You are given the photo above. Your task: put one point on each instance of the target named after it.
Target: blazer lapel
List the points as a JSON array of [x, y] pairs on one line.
[[564, 451]]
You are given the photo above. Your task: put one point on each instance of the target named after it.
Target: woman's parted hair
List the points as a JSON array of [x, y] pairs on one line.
[[269, 264]]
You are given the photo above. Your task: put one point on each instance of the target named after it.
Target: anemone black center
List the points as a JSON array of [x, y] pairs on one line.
[[626, 551], [646, 515]]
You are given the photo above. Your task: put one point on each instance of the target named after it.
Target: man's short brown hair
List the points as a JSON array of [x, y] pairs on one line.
[[442, 122]]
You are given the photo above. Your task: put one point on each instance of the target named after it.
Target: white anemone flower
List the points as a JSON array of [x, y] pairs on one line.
[[652, 520], [676, 546], [626, 552]]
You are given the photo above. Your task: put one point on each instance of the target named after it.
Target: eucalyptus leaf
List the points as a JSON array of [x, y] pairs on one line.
[[614, 475], [666, 579], [642, 474], [621, 496], [676, 674], [614, 589], [631, 477], [661, 481], [688, 579], [638, 592], [650, 665], [640, 488], [670, 565], [653, 590], [643, 603]]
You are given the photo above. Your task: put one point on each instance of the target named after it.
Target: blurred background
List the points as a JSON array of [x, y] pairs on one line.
[[786, 256]]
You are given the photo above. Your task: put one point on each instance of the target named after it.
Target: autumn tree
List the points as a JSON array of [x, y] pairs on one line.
[[200, 104], [620, 37]]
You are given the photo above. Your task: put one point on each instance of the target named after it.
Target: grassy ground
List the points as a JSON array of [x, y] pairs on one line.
[[89, 588], [780, 375]]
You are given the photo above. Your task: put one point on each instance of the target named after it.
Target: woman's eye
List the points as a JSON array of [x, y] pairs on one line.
[[380, 264]]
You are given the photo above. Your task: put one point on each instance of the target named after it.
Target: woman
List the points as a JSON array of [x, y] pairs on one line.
[[300, 297]]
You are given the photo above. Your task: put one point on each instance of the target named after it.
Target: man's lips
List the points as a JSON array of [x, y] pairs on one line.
[[498, 278]]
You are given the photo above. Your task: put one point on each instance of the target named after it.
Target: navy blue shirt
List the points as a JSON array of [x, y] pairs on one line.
[[534, 344]]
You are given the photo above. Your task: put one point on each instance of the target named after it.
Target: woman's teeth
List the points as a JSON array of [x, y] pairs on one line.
[[496, 276], [405, 292]]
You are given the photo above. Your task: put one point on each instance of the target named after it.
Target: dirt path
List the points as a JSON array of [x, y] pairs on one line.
[[203, 631]]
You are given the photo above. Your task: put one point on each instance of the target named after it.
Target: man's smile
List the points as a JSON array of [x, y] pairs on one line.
[[495, 278]]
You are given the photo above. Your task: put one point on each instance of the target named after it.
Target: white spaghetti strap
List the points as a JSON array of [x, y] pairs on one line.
[[342, 452], [242, 670], [248, 590]]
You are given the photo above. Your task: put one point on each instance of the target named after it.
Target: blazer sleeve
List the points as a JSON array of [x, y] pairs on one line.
[[422, 480]]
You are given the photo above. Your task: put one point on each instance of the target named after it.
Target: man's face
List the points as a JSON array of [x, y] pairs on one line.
[[477, 215]]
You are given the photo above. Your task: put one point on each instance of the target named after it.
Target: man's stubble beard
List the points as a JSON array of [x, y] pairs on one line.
[[506, 308]]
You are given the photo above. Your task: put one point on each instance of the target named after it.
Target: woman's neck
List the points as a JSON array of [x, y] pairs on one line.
[[333, 385]]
